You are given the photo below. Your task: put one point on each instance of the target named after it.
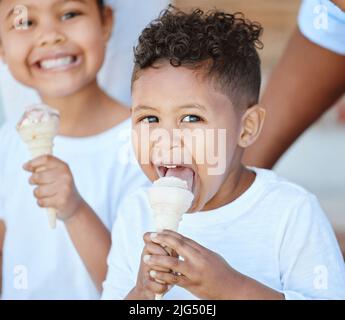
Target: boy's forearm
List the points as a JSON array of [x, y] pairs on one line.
[[132, 295], [249, 289], [136, 294], [92, 240]]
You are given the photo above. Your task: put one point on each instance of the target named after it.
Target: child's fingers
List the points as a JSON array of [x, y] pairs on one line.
[[49, 202], [177, 235], [45, 191], [153, 248], [43, 178], [147, 237], [168, 278], [46, 161], [183, 246], [155, 287], [166, 262]]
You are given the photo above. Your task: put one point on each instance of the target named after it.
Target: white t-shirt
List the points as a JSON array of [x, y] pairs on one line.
[[323, 23], [131, 17], [40, 263], [275, 233]]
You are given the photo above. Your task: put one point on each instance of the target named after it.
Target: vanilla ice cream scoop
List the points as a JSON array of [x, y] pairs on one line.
[[169, 199], [38, 127]]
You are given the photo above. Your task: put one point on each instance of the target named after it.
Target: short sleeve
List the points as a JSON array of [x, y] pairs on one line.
[[310, 260], [323, 23]]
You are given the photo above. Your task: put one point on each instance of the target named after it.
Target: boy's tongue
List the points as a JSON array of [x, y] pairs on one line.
[[182, 173]]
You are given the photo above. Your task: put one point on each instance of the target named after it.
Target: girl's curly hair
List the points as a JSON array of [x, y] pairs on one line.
[[224, 44]]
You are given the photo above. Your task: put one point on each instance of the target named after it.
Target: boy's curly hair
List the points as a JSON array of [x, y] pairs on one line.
[[223, 44]]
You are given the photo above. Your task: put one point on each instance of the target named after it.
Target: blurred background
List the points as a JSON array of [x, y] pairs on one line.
[[316, 161]]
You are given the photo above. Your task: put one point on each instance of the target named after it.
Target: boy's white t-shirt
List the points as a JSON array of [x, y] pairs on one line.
[[323, 23], [275, 233], [40, 263]]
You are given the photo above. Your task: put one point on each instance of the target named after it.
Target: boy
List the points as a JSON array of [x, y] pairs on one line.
[[57, 48], [248, 233]]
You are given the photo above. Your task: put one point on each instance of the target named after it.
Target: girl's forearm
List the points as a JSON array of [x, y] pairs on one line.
[[92, 240]]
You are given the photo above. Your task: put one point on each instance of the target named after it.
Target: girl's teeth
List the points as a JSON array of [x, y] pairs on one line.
[[56, 63], [171, 167]]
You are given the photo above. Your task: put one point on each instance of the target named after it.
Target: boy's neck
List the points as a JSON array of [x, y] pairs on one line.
[[238, 181], [88, 112]]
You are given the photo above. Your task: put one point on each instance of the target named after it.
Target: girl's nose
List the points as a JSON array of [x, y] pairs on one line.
[[51, 37]]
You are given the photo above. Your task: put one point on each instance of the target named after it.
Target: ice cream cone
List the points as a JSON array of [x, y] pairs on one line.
[[169, 199], [38, 128]]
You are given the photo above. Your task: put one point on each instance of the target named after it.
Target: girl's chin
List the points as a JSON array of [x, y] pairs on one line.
[[57, 93]]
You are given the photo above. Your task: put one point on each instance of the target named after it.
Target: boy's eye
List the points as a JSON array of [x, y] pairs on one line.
[[149, 119], [70, 15], [191, 118]]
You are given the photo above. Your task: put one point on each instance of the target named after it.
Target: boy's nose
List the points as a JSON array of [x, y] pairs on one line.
[[167, 148]]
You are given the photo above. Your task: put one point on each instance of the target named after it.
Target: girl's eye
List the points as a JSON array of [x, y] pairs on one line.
[[70, 15], [149, 119], [23, 24], [191, 118]]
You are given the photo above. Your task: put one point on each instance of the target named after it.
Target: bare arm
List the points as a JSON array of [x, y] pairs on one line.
[[307, 81], [92, 240], [90, 237], [2, 237]]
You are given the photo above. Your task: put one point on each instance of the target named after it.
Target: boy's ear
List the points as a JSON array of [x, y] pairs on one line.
[[108, 22], [252, 123]]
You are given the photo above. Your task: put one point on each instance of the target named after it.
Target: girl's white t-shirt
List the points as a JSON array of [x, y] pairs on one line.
[[40, 263], [275, 233], [323, 23]]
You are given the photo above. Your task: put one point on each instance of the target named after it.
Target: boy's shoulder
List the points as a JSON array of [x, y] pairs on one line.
[[286, 200], [276, 183]]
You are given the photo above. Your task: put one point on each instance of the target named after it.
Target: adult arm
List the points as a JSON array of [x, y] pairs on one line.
[[307, 81]]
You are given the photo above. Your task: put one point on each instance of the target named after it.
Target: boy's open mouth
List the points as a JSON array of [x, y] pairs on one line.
[[182, 172]]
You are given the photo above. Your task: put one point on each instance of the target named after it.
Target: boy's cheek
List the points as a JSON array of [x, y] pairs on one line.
[[149, 172]]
